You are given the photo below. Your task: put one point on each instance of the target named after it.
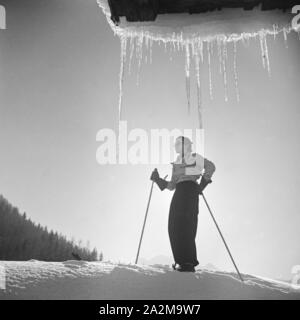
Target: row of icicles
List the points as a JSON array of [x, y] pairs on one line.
[[132, 44]]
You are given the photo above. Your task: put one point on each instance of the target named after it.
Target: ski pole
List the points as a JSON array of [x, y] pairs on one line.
[[150, 195], [236, 268]]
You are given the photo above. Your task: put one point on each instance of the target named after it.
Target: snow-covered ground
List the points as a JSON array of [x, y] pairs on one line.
[[106, 280]]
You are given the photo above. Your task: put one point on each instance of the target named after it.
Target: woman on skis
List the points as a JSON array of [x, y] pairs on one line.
[[183, 213]]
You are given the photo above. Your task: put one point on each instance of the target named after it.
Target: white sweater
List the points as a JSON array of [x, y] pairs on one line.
[[190, 169]]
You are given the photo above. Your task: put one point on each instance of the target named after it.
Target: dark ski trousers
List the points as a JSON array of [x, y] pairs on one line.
[[183, 221]]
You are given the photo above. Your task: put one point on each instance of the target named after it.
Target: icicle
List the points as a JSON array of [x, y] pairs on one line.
[[225, 49], [121, 80], [262, 49], [150, 48], [275, 31], [181, 40], [131, 53], [193, 48], [170, 52], [209, 70], [174, 46], [187, 74], [220, 54], [224, 70], [140, 56], [121, 76], [201, 50], [211, 48], [267, 54], [136, 47], [285, 37], [147, 49], [199, 96], [235, 72]]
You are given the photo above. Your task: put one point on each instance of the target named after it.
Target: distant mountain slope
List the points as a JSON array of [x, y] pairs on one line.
[[22, 239]]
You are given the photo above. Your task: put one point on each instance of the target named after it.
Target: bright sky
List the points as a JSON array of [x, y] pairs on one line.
[[59, 68]]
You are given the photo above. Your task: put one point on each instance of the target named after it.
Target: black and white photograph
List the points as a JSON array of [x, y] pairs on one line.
[[149, 151]]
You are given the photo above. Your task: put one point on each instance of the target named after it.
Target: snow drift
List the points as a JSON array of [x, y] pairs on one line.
[[106, 280]]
